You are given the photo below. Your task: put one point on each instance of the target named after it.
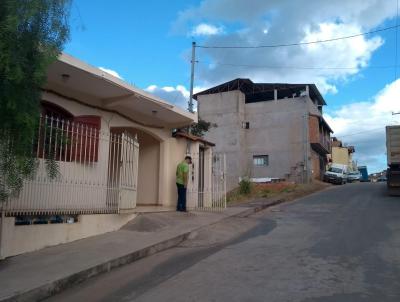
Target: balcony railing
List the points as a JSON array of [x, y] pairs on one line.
[[325, 142]]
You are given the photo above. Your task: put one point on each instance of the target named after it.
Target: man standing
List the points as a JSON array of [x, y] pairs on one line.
[[182, 175]]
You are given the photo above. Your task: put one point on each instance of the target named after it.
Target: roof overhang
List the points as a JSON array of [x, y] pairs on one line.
[[77, 80], [194, 138], [251, 89]]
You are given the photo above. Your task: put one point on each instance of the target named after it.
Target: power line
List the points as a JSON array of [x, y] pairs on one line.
[[300, 43], [363, 132], [295, 67], [393, 123]]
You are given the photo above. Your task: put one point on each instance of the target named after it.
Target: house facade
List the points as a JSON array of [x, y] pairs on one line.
[[115, 154], [342, 154], [267, 130]]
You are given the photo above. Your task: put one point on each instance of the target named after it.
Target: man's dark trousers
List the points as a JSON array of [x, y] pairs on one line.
[[181, 198]]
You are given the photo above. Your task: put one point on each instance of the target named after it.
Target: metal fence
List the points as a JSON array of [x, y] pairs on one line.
[[207, 182], [94, 171]]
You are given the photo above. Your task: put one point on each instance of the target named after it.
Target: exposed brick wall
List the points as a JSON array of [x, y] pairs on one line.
[[313, 124], [315, 165]]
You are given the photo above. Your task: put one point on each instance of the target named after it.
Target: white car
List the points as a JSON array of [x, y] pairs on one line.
[[353, 176], [336, 174]]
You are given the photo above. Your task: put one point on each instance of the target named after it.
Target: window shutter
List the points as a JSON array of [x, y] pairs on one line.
[[86, 138]]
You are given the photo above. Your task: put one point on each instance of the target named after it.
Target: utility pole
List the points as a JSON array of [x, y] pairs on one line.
[[309, 165], [193, 61], [305, 148], [190, 103]]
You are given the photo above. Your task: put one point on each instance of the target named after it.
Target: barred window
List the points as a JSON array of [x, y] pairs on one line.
[[260, 160], [65, 137]]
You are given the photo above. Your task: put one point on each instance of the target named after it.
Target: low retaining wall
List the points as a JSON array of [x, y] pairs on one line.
[[18, 239]]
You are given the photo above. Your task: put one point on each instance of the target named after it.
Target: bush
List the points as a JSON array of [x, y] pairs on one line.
[[245, 186], [265, 193], [287, 190]]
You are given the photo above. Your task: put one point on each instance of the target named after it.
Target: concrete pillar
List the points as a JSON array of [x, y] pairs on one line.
[[164, 187], [275, 95], [2, 235], [208, 157]]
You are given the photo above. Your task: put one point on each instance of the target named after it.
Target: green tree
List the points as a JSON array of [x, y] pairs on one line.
[[201, 127], [32, 34]]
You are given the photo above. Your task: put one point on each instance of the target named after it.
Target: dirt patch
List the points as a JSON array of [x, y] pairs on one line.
[[271, 191]]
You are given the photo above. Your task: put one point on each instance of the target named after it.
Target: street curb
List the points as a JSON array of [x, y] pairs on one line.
[[54, 287], [260, 208]]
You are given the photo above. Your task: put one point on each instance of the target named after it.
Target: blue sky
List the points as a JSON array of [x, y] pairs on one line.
[[148, 44], [133, 38]]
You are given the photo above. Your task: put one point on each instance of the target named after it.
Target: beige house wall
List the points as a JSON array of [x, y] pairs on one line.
[[158, 157], [340, 155], [159, 148], [149, 169]]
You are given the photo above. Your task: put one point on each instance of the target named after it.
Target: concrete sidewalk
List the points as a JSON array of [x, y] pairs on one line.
[[37, 275]]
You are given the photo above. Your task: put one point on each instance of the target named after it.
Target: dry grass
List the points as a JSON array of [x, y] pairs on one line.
[[282, 190]]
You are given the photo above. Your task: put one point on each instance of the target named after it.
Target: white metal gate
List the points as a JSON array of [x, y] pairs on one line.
[[122, 171], [128, 173], [207, 182]]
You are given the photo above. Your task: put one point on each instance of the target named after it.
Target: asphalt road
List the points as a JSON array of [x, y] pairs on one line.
[[342, 244]]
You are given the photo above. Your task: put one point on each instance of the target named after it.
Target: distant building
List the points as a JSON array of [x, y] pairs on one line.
[[267, 129], [342, 154]]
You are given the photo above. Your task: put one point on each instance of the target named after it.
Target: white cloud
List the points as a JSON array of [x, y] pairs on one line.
[[112, 72], [301, 64], [204, 29], [287, 22], [178, 95], [362, 124]]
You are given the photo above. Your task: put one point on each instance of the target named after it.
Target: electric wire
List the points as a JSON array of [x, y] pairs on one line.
[[362, 132], [299, 43], [367, 131], [314, 68], [295, 67]]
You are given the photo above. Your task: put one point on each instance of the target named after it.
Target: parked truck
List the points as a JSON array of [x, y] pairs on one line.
[[364, 173], [393, 159]]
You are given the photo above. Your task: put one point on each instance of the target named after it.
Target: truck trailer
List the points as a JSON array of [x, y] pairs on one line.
[[393, 159], [364, 173]]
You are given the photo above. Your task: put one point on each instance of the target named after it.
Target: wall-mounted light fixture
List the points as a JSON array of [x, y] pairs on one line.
[[65, 77]]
